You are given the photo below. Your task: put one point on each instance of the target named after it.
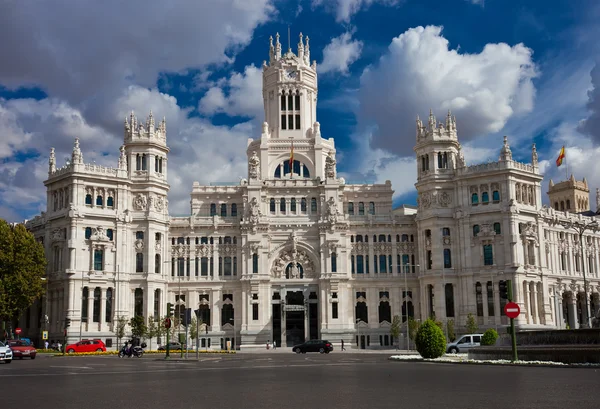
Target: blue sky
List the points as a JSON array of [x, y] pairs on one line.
[[526, 69]]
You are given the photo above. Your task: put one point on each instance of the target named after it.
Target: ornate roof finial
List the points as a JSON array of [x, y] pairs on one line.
[[76, 156], [505, 153], [307, 52], [597, 200], [300, 49], [122, 158], [52, 161], [431, 119], [277, 47], [534, 155]]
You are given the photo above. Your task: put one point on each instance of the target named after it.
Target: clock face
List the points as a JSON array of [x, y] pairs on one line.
[[291, 74]]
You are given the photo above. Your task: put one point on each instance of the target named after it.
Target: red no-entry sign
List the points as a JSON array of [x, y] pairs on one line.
[[167, 323], [17, 331], [512, 310]]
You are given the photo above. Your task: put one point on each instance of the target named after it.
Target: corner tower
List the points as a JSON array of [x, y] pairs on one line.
[[571, 195]]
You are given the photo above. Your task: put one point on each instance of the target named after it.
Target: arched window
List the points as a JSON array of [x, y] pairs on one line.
[[282, 205], [293, 204], [397, 238], [372, 207], [474, 199], [84, 304], [157, 264], [359, 238], [110, 234], [333, 263], [306, 172], [277, 174], [233, 210], [362, 312], [555, 205], [385, 312], [404, 238], [374, 238], [313, 205], [139, 302], [568, 204], [227, 240], [223, 210], [272, 205], [475, 230], [88, 199], [496, 196], [99, 200], [497, 228], [562, 205], [88, 233], [139, 262], [303, 205], [109, 302], [96, 311], [294, 271], [381, 238], [485, 198], [110, 202], [157, 304], [445, 231], [213, 209], [447, 258]]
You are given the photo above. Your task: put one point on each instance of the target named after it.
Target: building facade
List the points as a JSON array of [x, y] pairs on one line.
[[293, 252]]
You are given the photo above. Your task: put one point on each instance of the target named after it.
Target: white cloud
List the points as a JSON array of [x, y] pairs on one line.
[[345, 9], [239, 95], [591, 125], [420, 72], [478, 2], [340, 53], [75, 51]]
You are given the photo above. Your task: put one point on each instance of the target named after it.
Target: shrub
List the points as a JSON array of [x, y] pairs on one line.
[[450, 329], [489, 337], [431, 342]]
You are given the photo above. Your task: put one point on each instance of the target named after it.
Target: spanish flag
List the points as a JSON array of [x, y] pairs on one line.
[[561, 156], [292, 160]]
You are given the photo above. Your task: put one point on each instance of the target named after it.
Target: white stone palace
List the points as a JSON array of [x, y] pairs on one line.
[[293, 252]]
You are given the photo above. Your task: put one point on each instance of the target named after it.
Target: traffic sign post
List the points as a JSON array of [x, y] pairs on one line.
[[512, 311], [18, 332]]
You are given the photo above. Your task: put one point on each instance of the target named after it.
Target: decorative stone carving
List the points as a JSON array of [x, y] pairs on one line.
[[159, 203], [254, 166], [444, 199], [534, 155], [332, 211], [139, 245], [99, 234], [52, 161], [330, 166], [425, 199], [158, 246], [204, 250], [57, 234], [460, 160], [140, 202], [122, 159]]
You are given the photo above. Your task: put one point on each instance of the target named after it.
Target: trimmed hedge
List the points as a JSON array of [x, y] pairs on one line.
[[489, 337], [430, 340], [145, 352]]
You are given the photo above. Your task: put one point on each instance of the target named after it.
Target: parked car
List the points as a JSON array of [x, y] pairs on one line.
[[314, 345], [6, 354], [21, 349], [86, 345], [464, 343], [173, 346]]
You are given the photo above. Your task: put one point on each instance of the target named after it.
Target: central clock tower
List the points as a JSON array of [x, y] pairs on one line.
[[290, 91]]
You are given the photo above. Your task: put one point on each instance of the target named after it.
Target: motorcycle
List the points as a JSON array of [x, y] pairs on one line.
[[130, 351]]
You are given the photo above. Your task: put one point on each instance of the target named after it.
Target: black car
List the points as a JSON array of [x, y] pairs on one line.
[[314, 345]]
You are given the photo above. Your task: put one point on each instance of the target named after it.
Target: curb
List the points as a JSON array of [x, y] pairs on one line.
[[522, 364]]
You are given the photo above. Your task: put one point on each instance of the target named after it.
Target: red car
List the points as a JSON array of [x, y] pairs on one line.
[[86, 345], [21, 349]]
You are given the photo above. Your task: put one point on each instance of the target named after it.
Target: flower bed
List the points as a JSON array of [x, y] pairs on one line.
[[145, 352], [465, 360]]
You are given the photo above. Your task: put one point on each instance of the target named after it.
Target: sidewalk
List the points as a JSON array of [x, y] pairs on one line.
[[336, 350]]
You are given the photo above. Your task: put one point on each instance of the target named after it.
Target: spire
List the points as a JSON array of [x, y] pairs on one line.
[[585, 182], [277, 47], [431, 119], [76, 156], [449, 121], [534, 155], [597, 200], [150, 123], [52, 162], [505, 153], [550, 184], [307, 52], [300, 49], [271, 50]]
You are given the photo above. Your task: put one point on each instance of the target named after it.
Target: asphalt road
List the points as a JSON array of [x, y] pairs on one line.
[[281, 381]]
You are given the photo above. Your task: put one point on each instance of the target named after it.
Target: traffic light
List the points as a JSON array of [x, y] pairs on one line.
[[503, 287], [187, 317], [67, 322], [170, 309]]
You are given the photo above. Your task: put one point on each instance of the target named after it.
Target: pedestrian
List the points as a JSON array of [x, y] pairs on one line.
[[343, 349], [46, 344], [59, 346], [268, 342], [274, 345]]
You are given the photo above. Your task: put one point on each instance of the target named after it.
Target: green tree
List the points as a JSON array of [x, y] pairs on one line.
[[120, 329], [395, 328], [22, 267], [431, 342], [413, 327], [138, 327], [472, 326], [152, 330], [489, 337], [450, 330]]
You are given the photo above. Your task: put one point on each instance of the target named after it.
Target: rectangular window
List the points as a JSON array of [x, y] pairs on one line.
[[382, 264], [139, 235], [429, 260], [290, 121], [283, 123], [490, 298], [488, 255], [283, 107], [361, 209], [334, 311], [367, 265], [188, 267], [255, 263], [313, 205], [290, 103], [297, 121], [98, 260], [350, 207], [180, 266], [360, 265], [297, 103], [223, 210], [220, 266], [406, 263], [447, 258], [255, 312], [204, 266]]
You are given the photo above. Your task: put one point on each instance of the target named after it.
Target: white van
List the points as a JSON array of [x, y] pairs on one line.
[[464, 343]]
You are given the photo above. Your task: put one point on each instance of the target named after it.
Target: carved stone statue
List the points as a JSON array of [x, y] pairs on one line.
[[253, 213], [332, 211], [330, 166], [99, 234], [122, 159], [534, 156], [460, 160], [254, 166]]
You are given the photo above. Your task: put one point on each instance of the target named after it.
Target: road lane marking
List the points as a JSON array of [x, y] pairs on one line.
[[72, 367]]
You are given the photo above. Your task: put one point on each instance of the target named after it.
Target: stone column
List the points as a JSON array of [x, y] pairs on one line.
[[535, 318], [90, 320], [215, 311], [497, 309], [102, 322], [572, 310]]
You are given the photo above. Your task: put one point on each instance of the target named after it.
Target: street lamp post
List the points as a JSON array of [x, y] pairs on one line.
[[404, 268], [580, 228]]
